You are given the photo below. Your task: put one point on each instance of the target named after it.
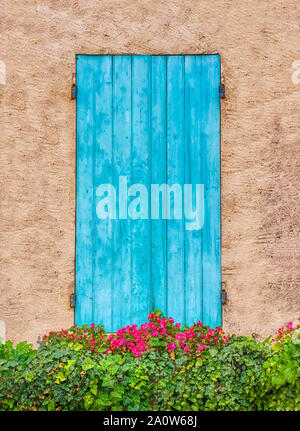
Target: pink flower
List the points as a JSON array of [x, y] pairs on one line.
[[290, 325]]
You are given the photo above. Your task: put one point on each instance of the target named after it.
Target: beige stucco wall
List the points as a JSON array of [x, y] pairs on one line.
[[258, 42]]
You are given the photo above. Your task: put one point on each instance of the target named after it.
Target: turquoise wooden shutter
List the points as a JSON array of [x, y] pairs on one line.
[[153, 120]]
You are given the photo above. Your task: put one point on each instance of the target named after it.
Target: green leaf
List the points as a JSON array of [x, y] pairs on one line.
[[77, 347], [60, 377], [51, 405], [199, 362], [88, 400], [108, 382], [88, 364]]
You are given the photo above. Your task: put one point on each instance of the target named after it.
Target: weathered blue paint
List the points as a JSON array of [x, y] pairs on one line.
[[155, 119]]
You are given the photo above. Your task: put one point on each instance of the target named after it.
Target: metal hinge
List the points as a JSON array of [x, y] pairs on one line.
[[74, 87], [72, 300], [222, 91], [73, 91], [223, 296]]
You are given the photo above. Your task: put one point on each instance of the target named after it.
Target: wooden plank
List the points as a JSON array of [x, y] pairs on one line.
[[140, 227], [210, 139], [84, 190], [159, 176], [102, 254], [122, 264], [175, 175], [192, 156]]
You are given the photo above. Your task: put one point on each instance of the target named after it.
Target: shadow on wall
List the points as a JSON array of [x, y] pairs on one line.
[[2, 332], [2, 73]]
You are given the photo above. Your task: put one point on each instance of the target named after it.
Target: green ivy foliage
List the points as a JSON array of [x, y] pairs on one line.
[[240, 375], [278, 383]]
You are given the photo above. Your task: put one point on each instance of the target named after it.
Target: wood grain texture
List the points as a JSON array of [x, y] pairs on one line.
[[103, 153], [85, 190], [122, 159], [193, 154], [155, 120], [211, 238]]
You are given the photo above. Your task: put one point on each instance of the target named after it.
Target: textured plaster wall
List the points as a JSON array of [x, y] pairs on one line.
[[258, 42]]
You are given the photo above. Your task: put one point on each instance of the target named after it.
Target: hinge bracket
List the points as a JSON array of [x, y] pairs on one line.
[[74, 91], [74, 87], [222, 91], [72, 300], [223, 296]]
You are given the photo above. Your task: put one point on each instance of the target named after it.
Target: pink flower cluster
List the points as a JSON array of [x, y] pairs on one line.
[[159, 333], [286, 330], [168, 337], [90, 336], [131, 339]]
